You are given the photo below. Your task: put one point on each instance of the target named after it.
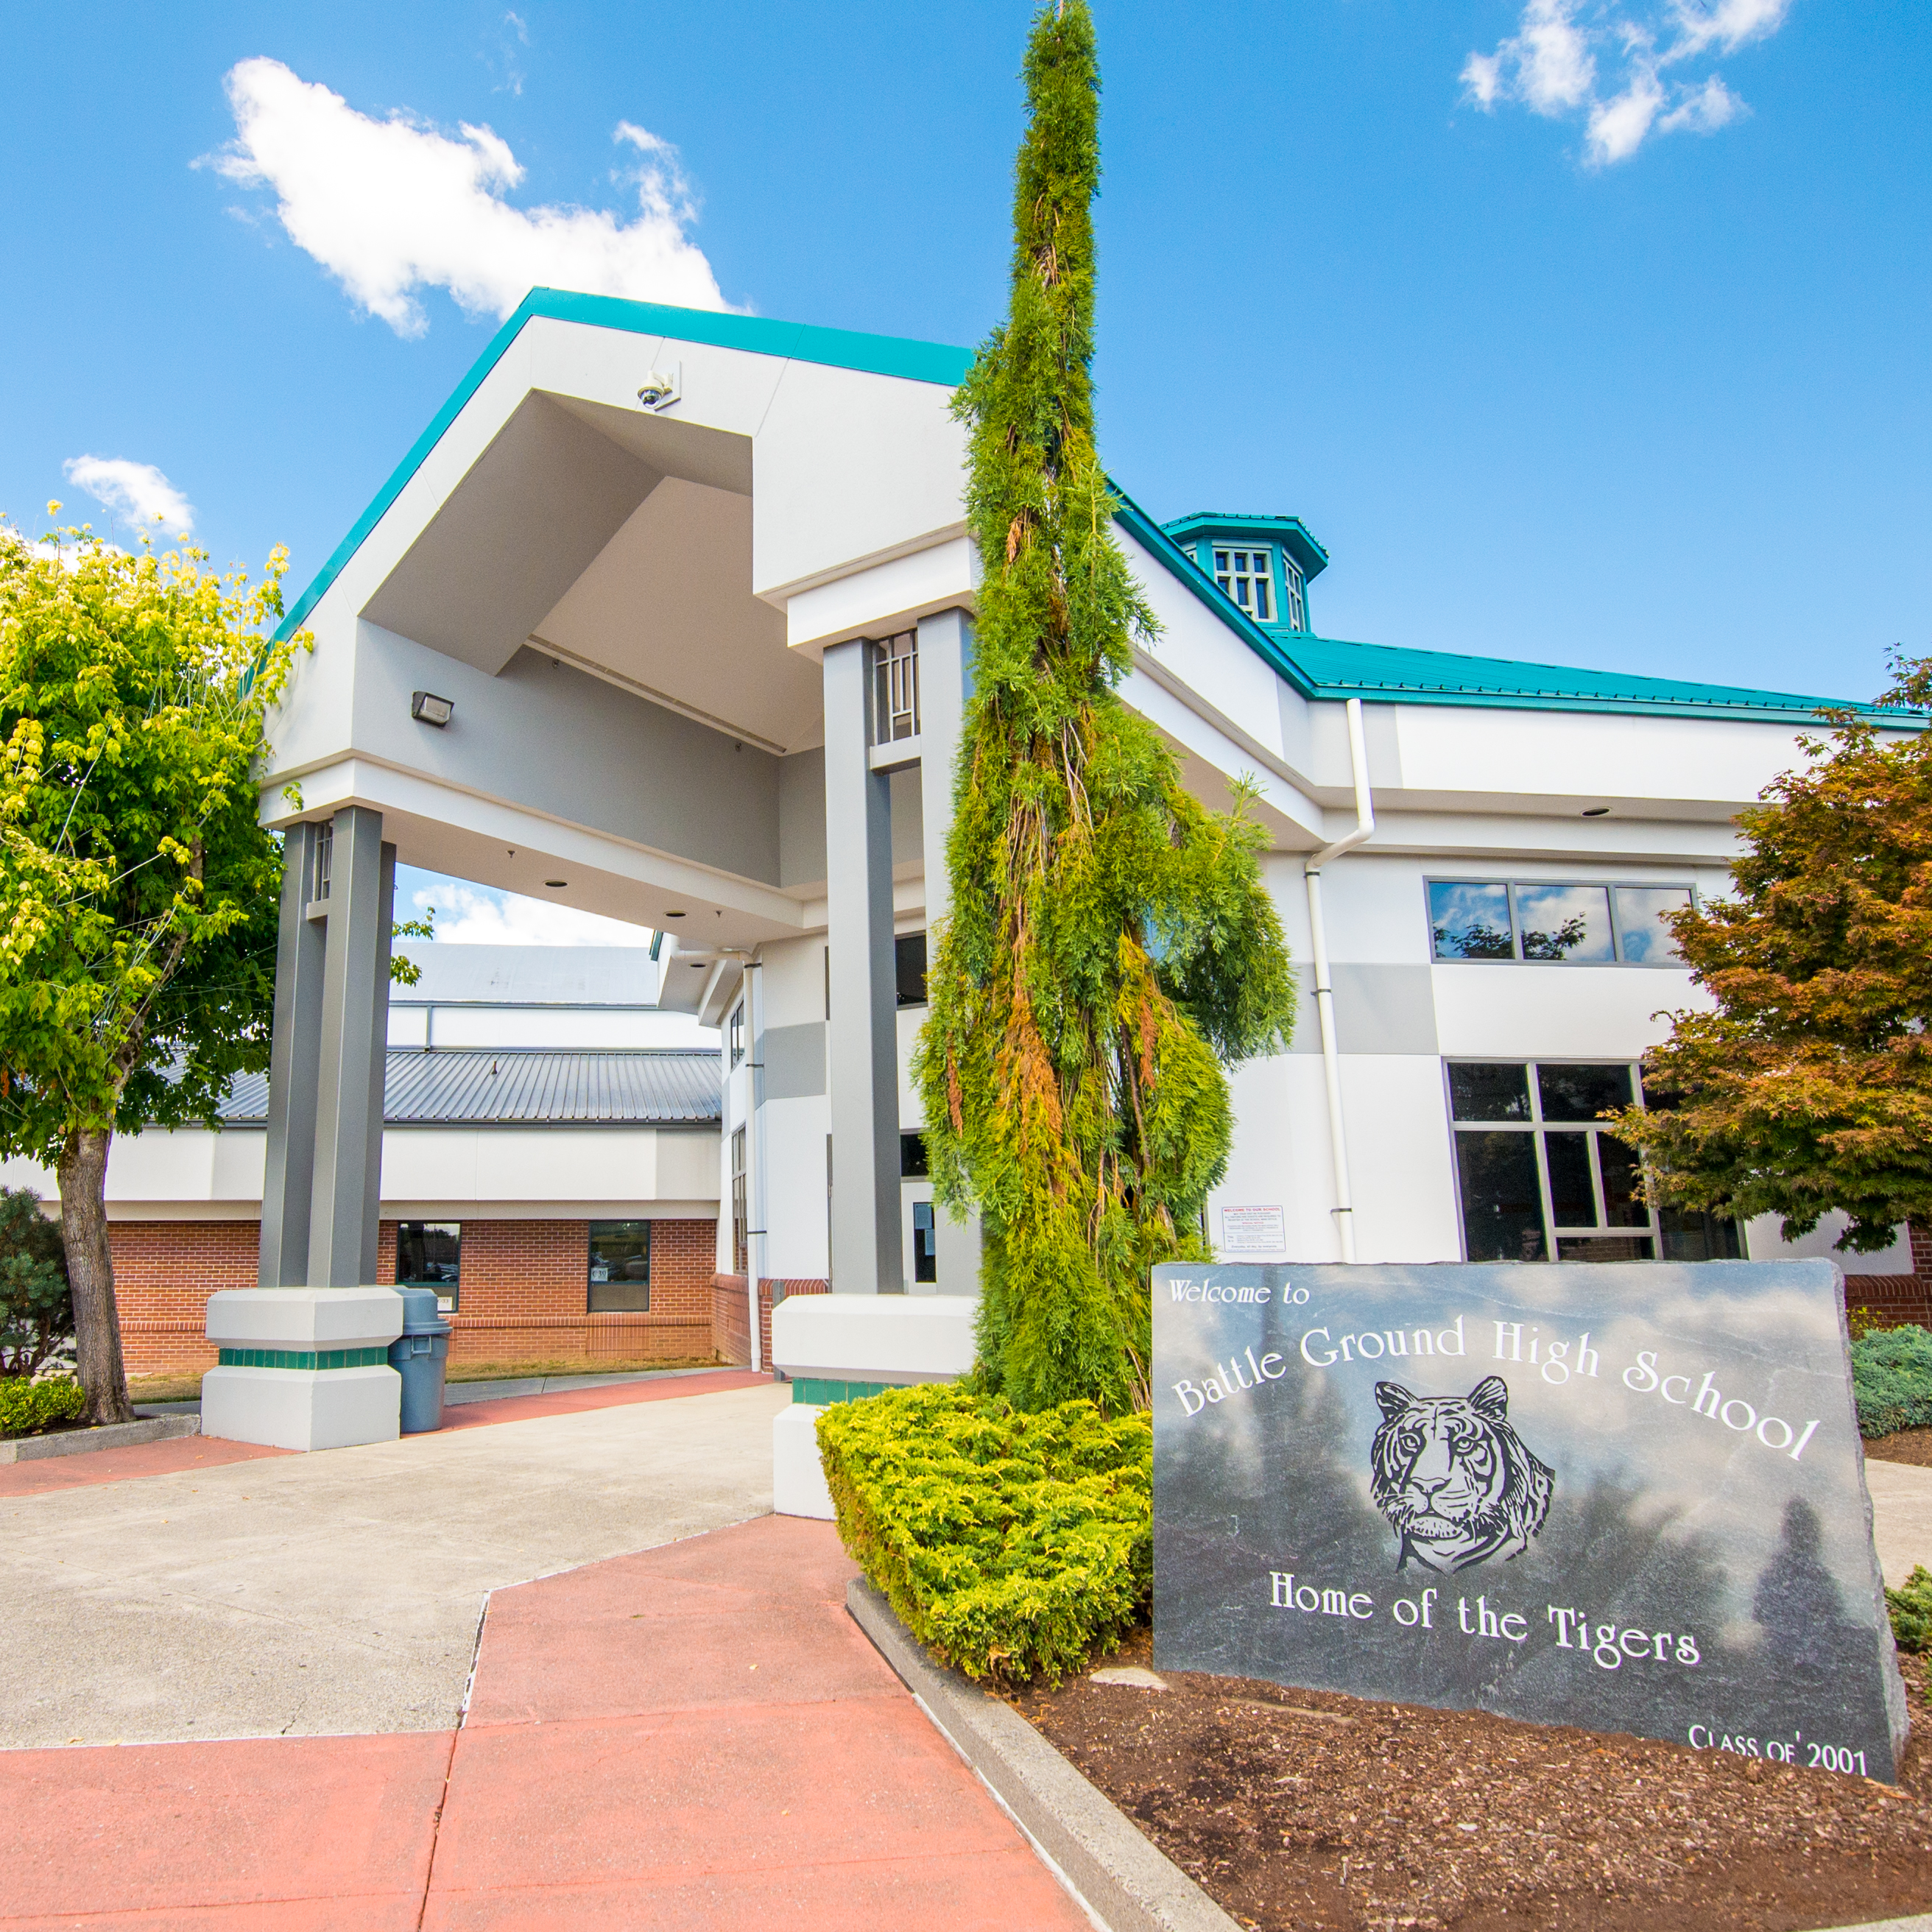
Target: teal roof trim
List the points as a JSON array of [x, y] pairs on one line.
[[1320, 667], [911, 361]]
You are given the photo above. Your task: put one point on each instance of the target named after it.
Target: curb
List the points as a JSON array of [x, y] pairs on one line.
[[85, 1441], [1114, 1874]]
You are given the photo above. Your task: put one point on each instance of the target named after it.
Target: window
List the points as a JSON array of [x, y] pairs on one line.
[[325, 859], [909, 968], [1248, 576], [925, 1243], [429, 1255], [912, 1157], [895, 688], [1541, 1179], [620, 1267], [740, 1220], [737, 1032], [1550, 922], [1294, 595]]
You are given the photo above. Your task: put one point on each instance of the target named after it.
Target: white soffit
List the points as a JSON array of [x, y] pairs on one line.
[[666, 611]]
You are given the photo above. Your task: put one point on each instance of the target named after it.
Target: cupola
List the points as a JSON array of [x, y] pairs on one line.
[[1262, 564]]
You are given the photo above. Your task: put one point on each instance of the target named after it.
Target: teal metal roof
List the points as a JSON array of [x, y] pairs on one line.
[[1320, 667]]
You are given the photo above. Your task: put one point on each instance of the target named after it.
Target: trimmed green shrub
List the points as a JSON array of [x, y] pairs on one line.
[[36, 1310], [26, 1408], [1009, 1542], [1911, 1610], [1891, 1376]]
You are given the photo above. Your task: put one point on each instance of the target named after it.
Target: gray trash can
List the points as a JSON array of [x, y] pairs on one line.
[[420, 1356]]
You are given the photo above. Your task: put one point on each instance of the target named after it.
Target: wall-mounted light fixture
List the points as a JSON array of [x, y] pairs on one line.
[[662, 387], [426, 708]]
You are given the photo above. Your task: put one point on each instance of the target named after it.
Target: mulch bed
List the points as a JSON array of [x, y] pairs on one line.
[[1909, 1445], [1306, 1809]]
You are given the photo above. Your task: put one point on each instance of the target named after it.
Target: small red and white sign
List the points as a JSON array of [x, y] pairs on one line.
[[1253, 1231]]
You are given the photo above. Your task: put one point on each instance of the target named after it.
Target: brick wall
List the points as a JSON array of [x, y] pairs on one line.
[[1898, 1297], [730, 1329], [164, 1271], [524, 1290]]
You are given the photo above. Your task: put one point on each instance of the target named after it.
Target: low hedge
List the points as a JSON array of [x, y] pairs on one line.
[[1891, 1376], [1911, 1610], [1009, 1542], [28, 1407]]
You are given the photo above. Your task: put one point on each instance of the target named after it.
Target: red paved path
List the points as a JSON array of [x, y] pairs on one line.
[[697, 1736], [207, 1452]]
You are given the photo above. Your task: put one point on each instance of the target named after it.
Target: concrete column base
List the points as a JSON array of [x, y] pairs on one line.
[[303, 1368], [798, 1478]]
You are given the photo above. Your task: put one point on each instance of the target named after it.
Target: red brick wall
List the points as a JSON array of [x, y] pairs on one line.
[[1898, 1297], [731, 1330], [524, 1290], [164, 1271]]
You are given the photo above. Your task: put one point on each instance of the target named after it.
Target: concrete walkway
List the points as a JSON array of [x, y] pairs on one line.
[[1901, 1517], [695, 1737], [291, 1596]]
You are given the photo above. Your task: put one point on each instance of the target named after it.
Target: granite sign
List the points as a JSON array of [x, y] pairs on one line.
[[1630, 1496]]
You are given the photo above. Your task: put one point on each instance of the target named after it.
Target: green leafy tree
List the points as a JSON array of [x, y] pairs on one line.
[[36, 1308], [138, 890], [1111, 943], [1809, 1087]]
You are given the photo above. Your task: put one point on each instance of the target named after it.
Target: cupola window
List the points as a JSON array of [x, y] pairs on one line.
[[1248, 576], [1294, 601]]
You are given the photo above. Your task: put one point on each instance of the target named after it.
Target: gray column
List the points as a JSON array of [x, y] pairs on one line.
[[945, 684], [862, 1054], [293, 1065], [354, 1024]]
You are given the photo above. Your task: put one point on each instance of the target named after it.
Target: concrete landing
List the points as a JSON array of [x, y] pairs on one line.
[[340, 1592], [1901, 1497], [695, 1737]]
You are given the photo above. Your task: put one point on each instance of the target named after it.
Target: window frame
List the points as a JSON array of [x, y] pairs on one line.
[[591, 1286], [1246, 547], [1538, 1127], [735, 1035], [1609, 887], [453, 1289], [1294, 595], [741, 1206]]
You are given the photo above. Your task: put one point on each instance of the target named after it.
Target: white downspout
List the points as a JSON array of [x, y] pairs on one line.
[[754, 1150], [1324, 992]]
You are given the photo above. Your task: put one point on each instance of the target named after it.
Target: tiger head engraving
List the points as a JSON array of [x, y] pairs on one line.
[[1453, 1478]]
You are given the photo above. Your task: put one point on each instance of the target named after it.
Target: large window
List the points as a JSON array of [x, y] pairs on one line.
[[620, 1267], [1545, 921], [1248, 576], [1541, 1179], [735, 1033], [429, 1254]]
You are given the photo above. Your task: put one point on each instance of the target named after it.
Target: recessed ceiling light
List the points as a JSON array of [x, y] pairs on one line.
[[554, 883], [673, 915], [1595, 811]]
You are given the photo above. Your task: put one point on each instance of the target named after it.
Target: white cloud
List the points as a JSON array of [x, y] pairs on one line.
[[137, 493], [391, 207], [467, 915], [1552, 63]]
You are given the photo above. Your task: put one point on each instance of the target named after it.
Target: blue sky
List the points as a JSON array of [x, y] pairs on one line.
[[1593, 333]]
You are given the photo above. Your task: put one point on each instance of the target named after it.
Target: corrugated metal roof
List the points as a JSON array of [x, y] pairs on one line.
[[530, 1087]]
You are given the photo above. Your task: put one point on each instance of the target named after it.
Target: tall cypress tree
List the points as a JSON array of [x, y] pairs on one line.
[[1111, 943]]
